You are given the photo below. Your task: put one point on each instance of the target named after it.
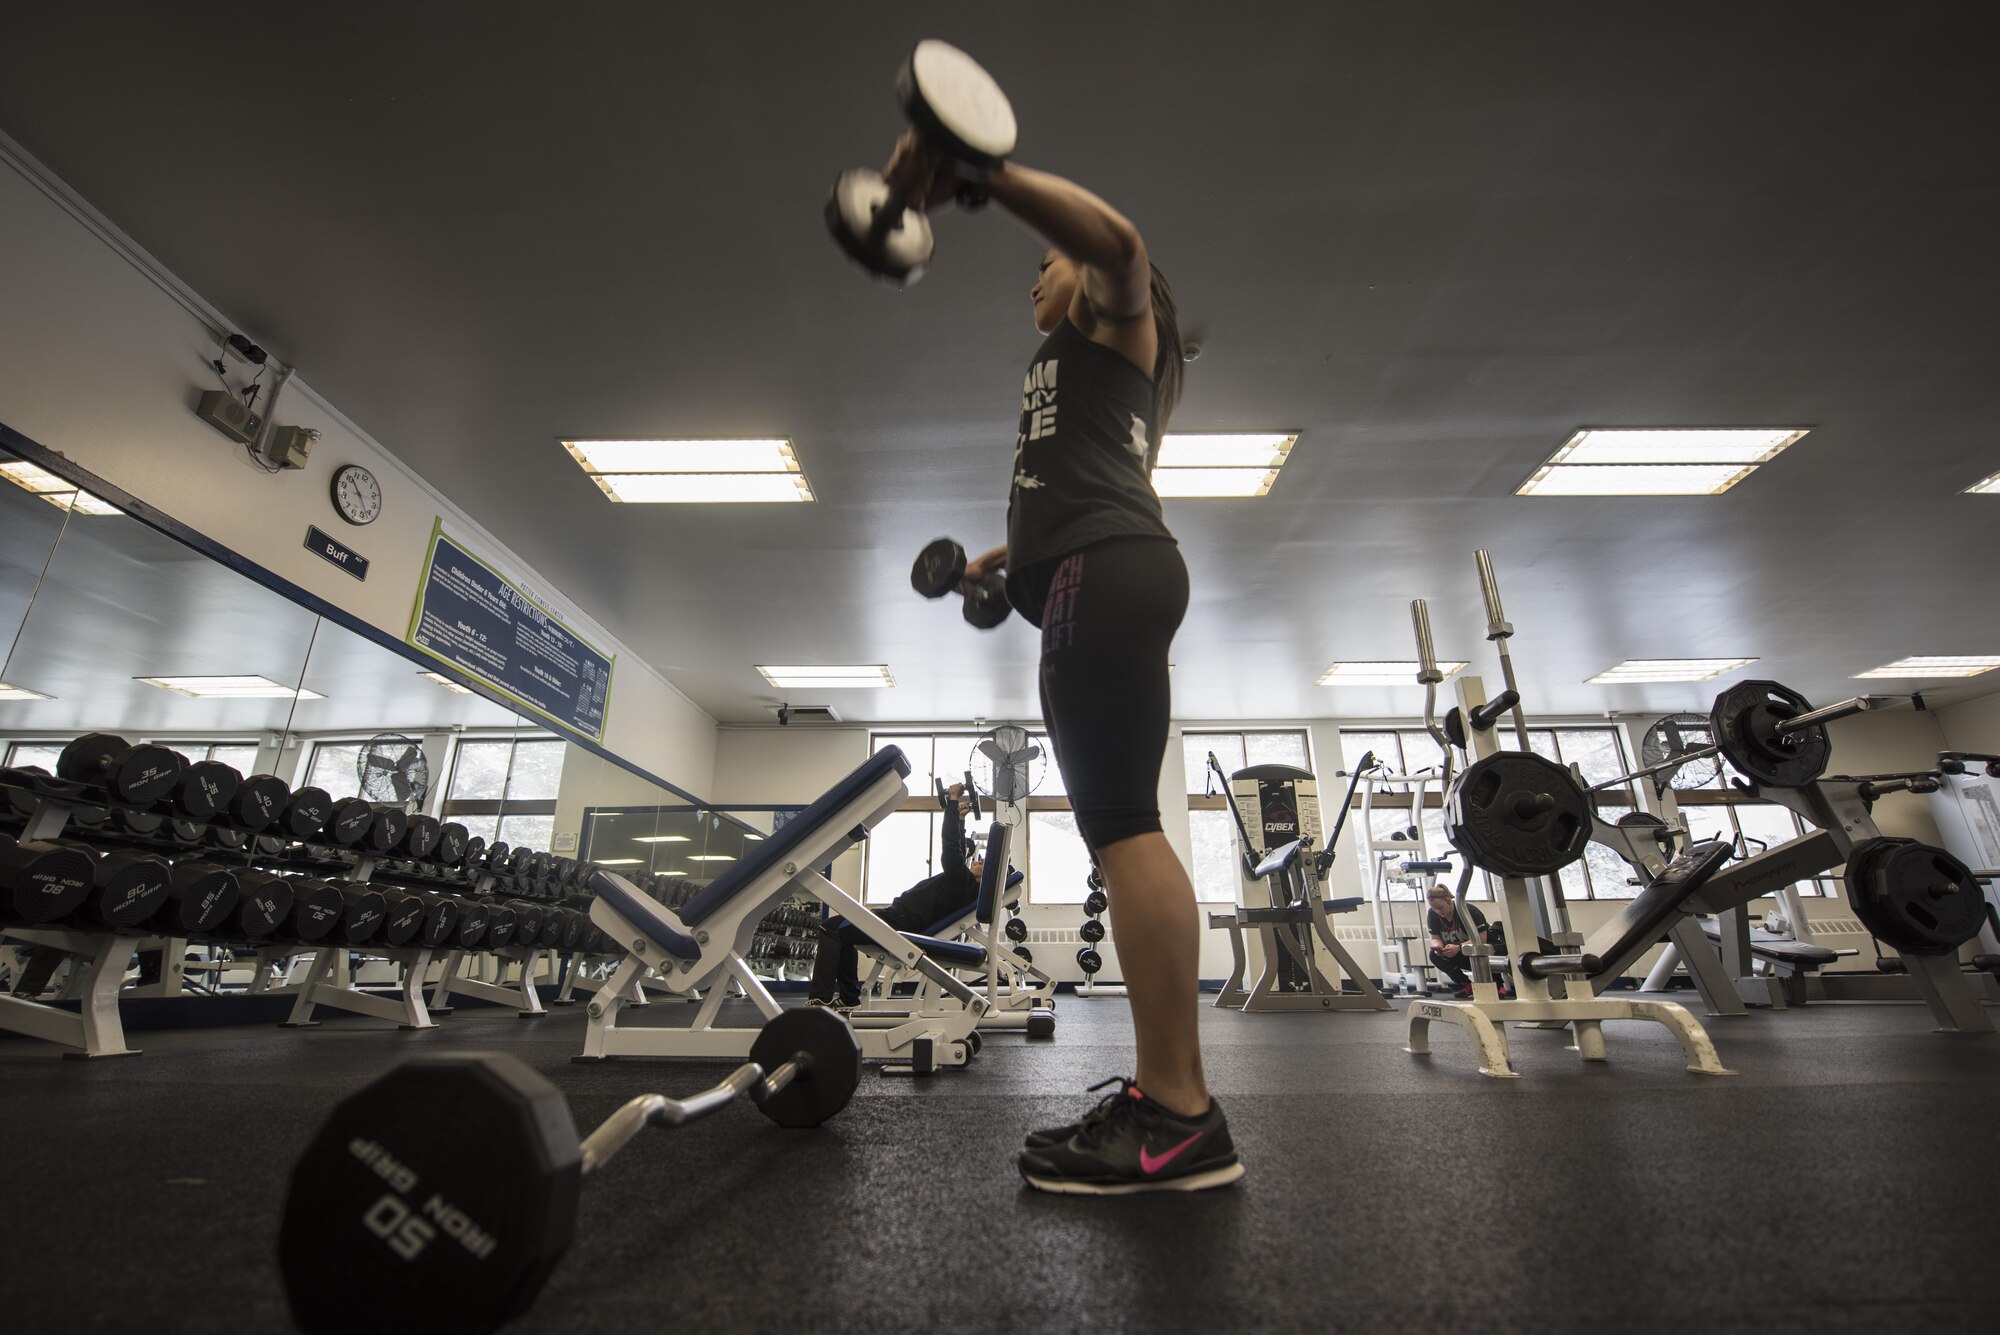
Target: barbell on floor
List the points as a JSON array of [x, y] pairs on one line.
[[439, 1199]]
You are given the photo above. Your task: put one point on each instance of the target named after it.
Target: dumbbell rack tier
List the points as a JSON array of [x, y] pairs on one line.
[[96, 1028]]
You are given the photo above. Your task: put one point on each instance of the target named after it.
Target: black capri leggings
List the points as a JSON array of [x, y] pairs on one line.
[[1108, 614]]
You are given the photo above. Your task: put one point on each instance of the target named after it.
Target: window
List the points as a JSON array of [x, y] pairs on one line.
[[902, 850], [333, 768], [1240, 750], [22, 754], [239, 756], [1752, 827], [1058, 860], [505, 789], [1216, 857]]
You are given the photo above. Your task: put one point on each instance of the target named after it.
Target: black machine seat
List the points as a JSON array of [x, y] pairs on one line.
[[1646, 917], [1427, 868], [1780, 950]]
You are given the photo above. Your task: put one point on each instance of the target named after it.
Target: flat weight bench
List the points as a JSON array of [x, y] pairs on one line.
[[702, 946], [1781, 952]]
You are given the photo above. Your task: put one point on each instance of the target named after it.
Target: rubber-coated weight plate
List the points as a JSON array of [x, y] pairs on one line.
[[835, 1067], [1745, 722], [1917, 898], [1517, 814]]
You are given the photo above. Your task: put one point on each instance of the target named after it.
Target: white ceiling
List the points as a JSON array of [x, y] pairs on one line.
[[1434, 238]]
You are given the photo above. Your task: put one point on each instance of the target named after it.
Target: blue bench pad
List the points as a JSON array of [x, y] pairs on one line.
[[650, 916]]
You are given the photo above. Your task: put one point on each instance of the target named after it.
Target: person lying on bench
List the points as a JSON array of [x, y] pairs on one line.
[[1449, 935], [836, 977]]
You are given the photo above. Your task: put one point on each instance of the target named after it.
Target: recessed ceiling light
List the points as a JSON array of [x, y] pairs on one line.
[[1379, 674], [671, 871], [710, 857], [1657, 461], [56, 491], [21, 693], [446, 682], [1666, 669], [1988, 487], [840, 678], [229, 688], [1221, 463], [618, 862], [693, 472], [1961, 666], [660, 839]]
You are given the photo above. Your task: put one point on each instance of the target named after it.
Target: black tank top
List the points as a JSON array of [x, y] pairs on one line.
[[1084, 458]]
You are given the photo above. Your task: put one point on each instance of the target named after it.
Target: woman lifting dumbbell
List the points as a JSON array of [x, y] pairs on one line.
[[1090, 561]]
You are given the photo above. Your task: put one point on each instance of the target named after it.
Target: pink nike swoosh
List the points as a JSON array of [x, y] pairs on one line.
[[1151, 1164]]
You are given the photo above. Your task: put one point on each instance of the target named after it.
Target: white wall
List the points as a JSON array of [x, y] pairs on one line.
[[99, 362], [788, 767], [1971, 726]]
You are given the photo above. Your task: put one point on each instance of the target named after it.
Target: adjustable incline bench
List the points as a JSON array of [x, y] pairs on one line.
[[1028, 1008], [702, 946]]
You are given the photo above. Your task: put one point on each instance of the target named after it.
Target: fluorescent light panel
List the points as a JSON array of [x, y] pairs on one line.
[[229, 688], [1989, 487], [839, 678], [1960, 666], [1657, 461], [660, 839], [56, 491], [440, 679], [693, 472], [1666, 669], [21, 693], [710, 857], [1221, 463], [1379, 674], [619, 862]]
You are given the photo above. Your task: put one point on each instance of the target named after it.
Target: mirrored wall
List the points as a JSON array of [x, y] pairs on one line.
[[110, 625]]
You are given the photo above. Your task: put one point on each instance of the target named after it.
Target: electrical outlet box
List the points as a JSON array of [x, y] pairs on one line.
[[289, 446], [229, 415]]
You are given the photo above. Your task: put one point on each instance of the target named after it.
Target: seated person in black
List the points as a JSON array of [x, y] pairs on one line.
[[1449, 935], [836, 977]]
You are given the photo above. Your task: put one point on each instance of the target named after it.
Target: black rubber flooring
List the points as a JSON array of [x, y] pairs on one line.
[[1846, 1180]]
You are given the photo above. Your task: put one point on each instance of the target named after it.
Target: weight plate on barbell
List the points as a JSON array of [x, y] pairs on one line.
[[1518, 814], [1914, 897], [816, 1094], [1745, 722]]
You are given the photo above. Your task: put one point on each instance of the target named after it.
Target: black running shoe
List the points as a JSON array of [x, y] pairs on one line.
[[1130, 1144], [1056, 1135]]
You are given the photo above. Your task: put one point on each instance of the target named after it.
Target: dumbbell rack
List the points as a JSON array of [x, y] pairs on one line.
[[96, 1029], [407, 1010]]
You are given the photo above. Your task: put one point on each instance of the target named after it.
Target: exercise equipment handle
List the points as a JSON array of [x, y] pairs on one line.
[[1567, 966], [659, 1110], [1489, 589], [1860, 704]]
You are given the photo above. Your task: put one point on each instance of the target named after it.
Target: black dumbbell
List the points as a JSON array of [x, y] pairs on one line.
[[1089, 961], [42, 881], [1027, 955], [966, 124], [500, 923], [473, 857], [439, 1199], [528, 919], [347, 824], [206, 788], [200, 898], [449, 850], [420, 837], [1016, 929], [1091, 931], [402, 918], [938, 569], [263, 902], [258, 804], [317, 908], [137, 776], [363, 911], [473, 918], [131, 887], [442, 915], [386, 828], [1096, 902], [305, 815]]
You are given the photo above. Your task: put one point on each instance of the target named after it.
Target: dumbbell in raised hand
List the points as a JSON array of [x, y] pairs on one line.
[[965, 121], [439, 1199], [939, 568]]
